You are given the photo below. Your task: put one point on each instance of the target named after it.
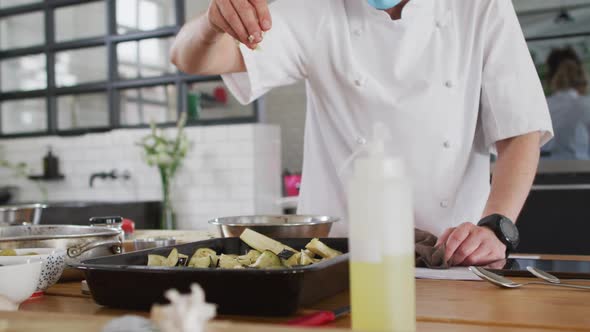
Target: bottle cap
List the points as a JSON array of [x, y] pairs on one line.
[[377, 164]]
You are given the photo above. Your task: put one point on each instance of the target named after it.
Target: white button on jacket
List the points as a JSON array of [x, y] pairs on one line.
[[477, 42]]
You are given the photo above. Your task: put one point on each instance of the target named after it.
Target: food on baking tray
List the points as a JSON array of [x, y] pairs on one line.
[[322, 250], [266, 253]]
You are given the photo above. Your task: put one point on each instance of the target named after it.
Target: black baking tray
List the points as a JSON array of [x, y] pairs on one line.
[[124, 281]]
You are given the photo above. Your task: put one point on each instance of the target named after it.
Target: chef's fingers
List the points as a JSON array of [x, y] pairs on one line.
[[219, 21], [445, 235], [233, 19], [249, 19], [456, 238], [479, 257], [469, 247], [263, 13], [498, 250], [490, 251], [495, 265]]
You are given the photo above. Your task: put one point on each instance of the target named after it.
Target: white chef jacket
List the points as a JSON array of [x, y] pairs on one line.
[[449, 79], [570, 114]]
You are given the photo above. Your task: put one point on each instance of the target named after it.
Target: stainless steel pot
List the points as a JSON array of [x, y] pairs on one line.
[[81, 242], [286, 226], [21, 214]]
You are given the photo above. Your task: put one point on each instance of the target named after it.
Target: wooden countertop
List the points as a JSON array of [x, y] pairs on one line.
[[30, 321], [441, 306]]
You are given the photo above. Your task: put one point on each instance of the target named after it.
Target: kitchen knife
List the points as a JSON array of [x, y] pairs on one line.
[[320, 318]]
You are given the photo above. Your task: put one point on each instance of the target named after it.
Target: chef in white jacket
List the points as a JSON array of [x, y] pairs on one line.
[[452, 79]]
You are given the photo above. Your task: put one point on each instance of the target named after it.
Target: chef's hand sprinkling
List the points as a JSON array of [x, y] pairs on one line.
[[469, 244], [245, 20]]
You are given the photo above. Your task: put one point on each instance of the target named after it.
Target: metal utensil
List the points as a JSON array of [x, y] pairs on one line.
[[287, 226], [548, 276], [504, 282], [543, 275], [21, 214]]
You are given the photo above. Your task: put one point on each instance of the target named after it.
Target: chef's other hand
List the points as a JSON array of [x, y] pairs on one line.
[[245, 20], [469, 244]]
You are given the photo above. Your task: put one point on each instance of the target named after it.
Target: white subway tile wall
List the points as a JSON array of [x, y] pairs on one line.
[[230, 170]]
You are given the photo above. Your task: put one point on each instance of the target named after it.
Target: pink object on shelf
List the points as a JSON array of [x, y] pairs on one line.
[[292, 184]]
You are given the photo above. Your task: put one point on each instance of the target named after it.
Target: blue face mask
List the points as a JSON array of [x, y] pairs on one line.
[[384, 4]]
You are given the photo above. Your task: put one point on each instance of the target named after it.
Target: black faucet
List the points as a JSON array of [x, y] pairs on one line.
[[113, 175]]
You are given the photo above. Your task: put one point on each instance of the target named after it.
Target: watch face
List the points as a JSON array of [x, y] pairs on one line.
[[509, 230]]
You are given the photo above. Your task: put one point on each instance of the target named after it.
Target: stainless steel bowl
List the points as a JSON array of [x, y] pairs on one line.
[[287, 226], [21, 214], [153, 242]]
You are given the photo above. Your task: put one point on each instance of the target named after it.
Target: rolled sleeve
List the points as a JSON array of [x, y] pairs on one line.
[[246, 86], [281, 58], [513, 102]]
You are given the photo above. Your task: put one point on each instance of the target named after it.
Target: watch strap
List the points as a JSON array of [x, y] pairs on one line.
[[493, 222]]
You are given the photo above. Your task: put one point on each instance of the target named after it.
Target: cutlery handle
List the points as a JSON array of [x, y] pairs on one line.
[[562, 285], [316, 319]]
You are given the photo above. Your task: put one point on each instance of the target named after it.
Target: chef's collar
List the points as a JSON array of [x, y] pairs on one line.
[[414, 8], [359, 13]]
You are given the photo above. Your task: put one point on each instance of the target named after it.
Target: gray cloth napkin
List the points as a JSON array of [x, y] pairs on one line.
[[427, 255]]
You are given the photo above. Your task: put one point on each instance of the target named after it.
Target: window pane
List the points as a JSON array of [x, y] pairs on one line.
[[23, 116], [141, 106], [81, 66], [81, 21], [194, 8], [14, 3], [212, 100], [146, 58], [24, 73], [83, 111], [22, 31], [143, 15]]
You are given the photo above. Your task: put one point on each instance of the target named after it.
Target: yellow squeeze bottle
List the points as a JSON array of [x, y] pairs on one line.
[[381, 242]]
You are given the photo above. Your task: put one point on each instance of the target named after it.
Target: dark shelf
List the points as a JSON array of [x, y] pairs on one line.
[[47, 178], [562, 178]]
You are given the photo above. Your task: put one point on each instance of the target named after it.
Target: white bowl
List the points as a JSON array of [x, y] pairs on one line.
[[18, 281], [54, 262]]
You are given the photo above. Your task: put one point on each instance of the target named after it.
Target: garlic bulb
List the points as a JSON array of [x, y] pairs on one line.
[[185, 313]]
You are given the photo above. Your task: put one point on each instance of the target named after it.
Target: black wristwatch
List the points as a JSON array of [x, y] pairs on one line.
[[504, 229]]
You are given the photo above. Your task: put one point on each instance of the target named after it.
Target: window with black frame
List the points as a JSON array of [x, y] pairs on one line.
[[74, 66]]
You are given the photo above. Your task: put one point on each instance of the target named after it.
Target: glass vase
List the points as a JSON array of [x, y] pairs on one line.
[[168, 217]]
